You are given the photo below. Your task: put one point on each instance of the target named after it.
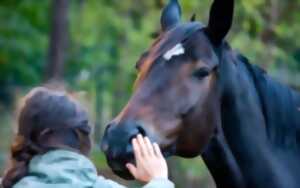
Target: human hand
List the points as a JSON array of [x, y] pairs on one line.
[[150, 162]]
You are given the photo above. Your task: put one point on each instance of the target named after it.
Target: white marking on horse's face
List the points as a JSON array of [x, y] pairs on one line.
[[175, 51]]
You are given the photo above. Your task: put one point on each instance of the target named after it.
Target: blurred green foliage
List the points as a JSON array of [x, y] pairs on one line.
[[106, 37]]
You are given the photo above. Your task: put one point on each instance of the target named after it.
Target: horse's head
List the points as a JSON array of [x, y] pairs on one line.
[[175, 101]]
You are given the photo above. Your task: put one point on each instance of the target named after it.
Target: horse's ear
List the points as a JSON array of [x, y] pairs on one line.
[[171, 15], [220, 20], [193, 18]]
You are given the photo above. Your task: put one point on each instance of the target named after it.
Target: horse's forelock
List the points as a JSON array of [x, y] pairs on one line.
[[165, 42]]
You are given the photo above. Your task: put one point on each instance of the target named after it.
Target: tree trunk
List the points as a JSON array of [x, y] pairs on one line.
[[58, 40], [99, 126]]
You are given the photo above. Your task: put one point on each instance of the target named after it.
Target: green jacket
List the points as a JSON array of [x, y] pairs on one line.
[[66, 169]]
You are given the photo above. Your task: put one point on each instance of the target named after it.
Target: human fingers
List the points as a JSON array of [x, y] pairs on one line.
[[142, 145], [136, 149], [132, 169], [157, 150], [149, 146]]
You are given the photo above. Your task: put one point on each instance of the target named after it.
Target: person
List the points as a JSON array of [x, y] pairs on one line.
[[53, 142]]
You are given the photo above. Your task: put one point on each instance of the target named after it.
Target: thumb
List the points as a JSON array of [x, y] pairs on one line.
[[132, 169]]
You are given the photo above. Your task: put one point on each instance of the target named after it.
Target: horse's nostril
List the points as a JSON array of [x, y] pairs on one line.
[[141, 131], [131, 138]]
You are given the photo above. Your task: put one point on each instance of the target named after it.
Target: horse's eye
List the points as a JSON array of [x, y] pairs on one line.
[[201, 73]]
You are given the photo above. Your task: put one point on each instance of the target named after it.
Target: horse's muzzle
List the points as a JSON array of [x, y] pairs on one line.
[[116, 144]]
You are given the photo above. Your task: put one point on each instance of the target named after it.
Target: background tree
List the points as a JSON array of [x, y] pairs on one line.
[[58, 39]]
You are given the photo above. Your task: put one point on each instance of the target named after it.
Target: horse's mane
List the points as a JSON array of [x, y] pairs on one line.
[[280, 106]]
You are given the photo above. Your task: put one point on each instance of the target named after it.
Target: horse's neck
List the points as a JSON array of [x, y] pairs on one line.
[[248, 90], [281, 109], [244, 125], [222, 164]]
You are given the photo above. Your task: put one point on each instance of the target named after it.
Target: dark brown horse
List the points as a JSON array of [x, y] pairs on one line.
[[195, 96]]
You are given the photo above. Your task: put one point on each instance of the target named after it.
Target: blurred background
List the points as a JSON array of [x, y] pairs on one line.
[[93, 45]]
